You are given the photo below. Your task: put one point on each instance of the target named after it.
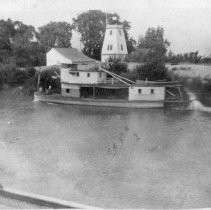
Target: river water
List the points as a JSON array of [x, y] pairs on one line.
[[106, 157]]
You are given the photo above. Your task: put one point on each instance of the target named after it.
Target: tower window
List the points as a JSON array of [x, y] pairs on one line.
[[77, 74], [100, 74], [152, 91], [120, 32], [88, 74], [139, 91], [110, 32], [110, 47], [121, 47], [67, 90]]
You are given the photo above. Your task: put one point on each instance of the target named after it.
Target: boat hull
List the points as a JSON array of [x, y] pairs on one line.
[[58, 99]]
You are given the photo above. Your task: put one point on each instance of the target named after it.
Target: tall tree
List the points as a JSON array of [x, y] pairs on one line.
[[91, 25], [18, 44], [156, 43], [156, 48], [7, 31], [55, 34]]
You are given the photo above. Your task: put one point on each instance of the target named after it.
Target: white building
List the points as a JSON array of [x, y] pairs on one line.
[[114, 44]]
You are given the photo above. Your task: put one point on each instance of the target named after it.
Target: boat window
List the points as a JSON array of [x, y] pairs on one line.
[[139, 91], [77, 74], [110, 32], [152, 91], [67, 90], [88, 74]]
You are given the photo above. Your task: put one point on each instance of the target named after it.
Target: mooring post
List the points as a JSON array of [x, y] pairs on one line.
[[93, 92], [38, 82]]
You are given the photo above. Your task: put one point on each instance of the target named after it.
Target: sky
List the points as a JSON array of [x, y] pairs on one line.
[[187, 23]]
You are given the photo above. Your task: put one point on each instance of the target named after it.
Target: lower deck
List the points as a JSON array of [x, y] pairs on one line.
[[59, 99]]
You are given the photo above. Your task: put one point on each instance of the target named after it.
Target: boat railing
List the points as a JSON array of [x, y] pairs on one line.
[[111, 81]]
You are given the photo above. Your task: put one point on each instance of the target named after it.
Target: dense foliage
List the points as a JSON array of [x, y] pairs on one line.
[[116, 66], [91, 25], [152, 71], [49, 81], [18, 44], [55, 34], [21, 45], [152, 47], [156, 44], [9, 74]]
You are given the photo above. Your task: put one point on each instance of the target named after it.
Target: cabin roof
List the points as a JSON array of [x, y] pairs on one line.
[[74, 55]]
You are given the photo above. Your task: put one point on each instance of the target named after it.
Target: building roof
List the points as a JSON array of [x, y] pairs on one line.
[[74, 55]]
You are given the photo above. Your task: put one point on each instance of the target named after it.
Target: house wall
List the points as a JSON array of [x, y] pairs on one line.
[[69, 90], [94, 78], [114, 36], [54, 58], [159, 93]]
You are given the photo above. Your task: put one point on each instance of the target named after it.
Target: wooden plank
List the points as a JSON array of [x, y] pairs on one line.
[[170, 93]]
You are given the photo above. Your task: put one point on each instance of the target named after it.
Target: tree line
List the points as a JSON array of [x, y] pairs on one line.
[[190, 57], [23, 46]]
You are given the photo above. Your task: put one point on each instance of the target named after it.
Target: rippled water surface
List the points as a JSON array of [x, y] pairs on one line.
[[106, 157]]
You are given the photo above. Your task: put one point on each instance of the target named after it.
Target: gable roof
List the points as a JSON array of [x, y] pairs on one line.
[[74, 55]]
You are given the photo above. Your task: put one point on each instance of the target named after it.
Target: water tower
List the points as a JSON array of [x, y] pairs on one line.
[[114, 44]]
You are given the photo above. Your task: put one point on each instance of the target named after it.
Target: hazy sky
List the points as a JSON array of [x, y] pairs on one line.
[[187, 23]]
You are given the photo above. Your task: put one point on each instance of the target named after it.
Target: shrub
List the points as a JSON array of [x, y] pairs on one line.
[[46, 79], [30, 71], [151, 71], [116, 66], [30, 86], [12, 75]]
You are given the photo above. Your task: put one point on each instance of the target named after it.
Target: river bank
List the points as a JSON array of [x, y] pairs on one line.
[[194, 77]]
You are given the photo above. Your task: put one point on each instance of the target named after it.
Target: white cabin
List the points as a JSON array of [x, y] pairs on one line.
[[82, 76], [146, 93], [114, 44]]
